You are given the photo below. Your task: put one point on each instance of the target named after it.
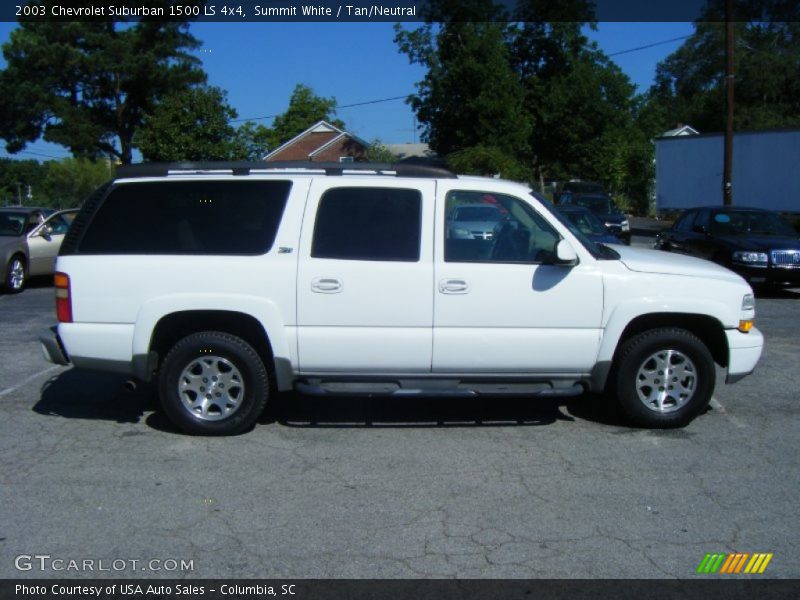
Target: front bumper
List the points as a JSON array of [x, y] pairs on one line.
[[769, 276], [52, 348], [744, 350]]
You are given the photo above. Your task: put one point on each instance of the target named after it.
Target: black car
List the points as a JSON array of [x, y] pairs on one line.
[[588, 224], [758, 244], [604, 209]]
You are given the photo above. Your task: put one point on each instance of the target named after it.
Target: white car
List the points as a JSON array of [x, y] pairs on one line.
[[227, 282]]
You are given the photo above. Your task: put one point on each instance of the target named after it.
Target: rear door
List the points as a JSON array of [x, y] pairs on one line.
[[364, 286]]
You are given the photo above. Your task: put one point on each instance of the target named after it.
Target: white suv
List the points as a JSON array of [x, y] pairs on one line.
[[232, 281]]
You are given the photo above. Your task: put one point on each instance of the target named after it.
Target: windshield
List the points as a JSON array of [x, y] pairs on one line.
[[477, 213], [599, 205], [12, 224], [600, 251], [586, 222], [750, 223]]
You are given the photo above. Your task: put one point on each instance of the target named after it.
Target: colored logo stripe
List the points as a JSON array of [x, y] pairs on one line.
[[734, 563]]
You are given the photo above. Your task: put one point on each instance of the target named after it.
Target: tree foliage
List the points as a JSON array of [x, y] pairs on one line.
[[58, 184], [89, 85], [305, 109], [532, 98], [192, 124], [690, 83]]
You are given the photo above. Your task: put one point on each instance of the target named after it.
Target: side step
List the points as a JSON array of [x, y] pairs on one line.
[[460, 390]]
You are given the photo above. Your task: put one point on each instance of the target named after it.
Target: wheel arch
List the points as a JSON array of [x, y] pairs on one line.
[[707, 328], [172, 327]]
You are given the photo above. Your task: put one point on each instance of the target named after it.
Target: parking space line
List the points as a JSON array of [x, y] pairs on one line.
[[28, 379], [717, 406]]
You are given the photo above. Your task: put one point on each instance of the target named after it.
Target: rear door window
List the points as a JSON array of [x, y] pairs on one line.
[[366, 223]]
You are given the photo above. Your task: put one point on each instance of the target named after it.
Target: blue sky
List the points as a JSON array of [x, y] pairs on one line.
[[260, 63]]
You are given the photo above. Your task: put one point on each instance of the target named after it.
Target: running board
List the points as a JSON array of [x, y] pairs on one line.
[[461, 390]]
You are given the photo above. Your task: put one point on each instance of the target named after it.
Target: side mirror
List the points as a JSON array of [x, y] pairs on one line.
[[46, 232], [565, 254]]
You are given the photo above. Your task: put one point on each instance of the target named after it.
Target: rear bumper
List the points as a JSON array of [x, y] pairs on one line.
[[52, 348], [744, 350]]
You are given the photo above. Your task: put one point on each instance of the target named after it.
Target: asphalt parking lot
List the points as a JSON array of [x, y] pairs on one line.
[[388, 488]]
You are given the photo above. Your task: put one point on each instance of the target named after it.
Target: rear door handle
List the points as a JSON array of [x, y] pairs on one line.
[[453, 286], [326, 285]]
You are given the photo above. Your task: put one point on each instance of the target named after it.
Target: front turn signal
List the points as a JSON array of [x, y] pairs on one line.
[[745, 326]]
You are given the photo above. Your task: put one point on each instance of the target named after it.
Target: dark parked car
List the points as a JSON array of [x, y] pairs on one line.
[[579, 187], [588, 224], [758, 244], [604, 209]]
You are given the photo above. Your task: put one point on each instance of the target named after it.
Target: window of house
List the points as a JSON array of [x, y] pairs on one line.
[[366, 223]]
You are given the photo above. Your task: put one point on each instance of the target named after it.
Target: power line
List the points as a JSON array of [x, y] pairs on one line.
[[366, 102], [335, 108], [653, 45]]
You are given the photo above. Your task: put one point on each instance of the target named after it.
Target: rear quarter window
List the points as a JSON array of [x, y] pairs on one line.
[[187, 217]]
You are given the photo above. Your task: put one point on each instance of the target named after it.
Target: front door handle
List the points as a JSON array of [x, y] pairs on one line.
[[453, 286], [326, 285]]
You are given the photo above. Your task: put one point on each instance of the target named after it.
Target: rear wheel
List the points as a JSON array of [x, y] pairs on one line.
[[213, 383], [664, 377], [16, 275]]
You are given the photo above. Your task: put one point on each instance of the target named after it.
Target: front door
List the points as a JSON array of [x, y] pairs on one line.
[[499, 308]]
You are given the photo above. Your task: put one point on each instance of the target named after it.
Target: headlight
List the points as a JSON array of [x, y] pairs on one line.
[[626, 226], [748, 302], [751, 258]]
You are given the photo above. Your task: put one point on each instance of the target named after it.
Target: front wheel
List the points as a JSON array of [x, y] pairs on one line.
[[16, 275], [664, 377], [213, 383]]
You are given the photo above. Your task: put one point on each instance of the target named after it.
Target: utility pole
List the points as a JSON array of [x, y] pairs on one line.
[[727, 176]]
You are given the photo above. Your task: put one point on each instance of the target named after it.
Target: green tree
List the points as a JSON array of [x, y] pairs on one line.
[[68, 182], [253, 141], [193, 124], [89, 85], [377, 152], [305, 109], [16, 176], [690, 83], [470, 102]]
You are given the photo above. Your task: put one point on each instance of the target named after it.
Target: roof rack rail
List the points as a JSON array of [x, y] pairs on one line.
[[398, 169]]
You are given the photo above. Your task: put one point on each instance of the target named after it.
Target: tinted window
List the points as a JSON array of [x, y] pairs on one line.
[[701, 220], [684, 223], [519, 234], [368, 224], [187, 217]]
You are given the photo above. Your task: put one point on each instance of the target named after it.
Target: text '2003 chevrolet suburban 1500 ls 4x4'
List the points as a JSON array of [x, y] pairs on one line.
[[228, 282]]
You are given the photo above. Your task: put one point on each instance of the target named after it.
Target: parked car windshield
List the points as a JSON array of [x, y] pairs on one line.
[[750, 223], [586, 222], [599, 205], [477, 213], [12, 224], [600, 251]]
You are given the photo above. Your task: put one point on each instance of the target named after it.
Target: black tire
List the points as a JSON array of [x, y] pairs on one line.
[[196, 360], [16, 275], [688, 365]]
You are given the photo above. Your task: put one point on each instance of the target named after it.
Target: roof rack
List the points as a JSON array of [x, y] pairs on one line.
[[398, 169]]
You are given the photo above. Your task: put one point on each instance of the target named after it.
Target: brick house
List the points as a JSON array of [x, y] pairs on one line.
[[322, 142]]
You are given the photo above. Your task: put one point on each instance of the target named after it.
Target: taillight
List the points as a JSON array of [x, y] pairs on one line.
[[63, 300]]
